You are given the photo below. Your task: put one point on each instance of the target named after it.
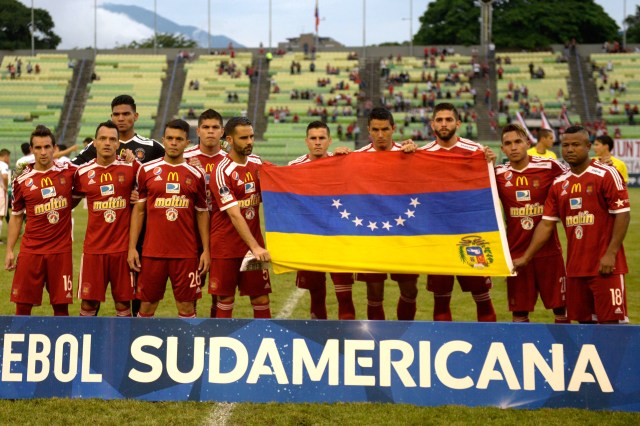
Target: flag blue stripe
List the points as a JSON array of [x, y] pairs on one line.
[[441, 213]]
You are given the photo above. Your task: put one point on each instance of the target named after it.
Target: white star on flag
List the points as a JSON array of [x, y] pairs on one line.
[[345, 214], [410, 213], [357, 221], [414, 202], [400, 221], [372, 225], [336, 203], [387, 225]]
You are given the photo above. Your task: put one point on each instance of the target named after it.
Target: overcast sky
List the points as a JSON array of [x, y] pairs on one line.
[[247, 21]]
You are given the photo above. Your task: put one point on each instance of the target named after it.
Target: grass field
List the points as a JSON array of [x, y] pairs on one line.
[[71, 412]]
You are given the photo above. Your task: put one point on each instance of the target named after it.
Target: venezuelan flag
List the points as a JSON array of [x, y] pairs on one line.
[[425, 212]]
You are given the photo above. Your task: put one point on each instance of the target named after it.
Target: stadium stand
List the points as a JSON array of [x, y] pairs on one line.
[[30, 98], [137, 75]]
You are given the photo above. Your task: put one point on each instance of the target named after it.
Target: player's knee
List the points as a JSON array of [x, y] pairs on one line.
[[260, 300], [227, 300], [89, 305], [409, 289], [375, 291]]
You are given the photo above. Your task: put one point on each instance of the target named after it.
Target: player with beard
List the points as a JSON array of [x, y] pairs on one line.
[[445, 122]]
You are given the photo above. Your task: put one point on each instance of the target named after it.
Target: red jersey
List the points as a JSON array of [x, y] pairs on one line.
[[235, 185], [305, 159], [587, 205], [173, 194], [46, 197], [369, 148], [462, 146], [209, 164], [108, 191], [523, 193]]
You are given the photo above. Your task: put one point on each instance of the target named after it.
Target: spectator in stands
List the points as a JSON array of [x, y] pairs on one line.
[[29, 67], [37, 68], [603, 146], [191, 114], [312, 67]]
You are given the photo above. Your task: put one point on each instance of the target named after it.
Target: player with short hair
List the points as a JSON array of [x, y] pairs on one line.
[[106, 182], [5, 179], [318, 139], [235, 226], [445, 123], [544, 145], [44, 192], [173, 198], [523, 184], [603, 146], [592, 202]]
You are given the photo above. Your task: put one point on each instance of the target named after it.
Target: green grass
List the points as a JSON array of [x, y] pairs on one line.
[[97, 412]]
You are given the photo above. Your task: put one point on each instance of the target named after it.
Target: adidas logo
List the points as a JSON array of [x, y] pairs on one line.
[[618, 311], [267, 285], [69, 296]]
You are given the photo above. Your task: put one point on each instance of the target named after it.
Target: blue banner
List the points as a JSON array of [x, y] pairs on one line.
[[423, 363]]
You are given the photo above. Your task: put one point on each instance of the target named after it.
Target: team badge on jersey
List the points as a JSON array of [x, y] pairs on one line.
[[139, 153], [475, 252], [249, 213], [121, 178], [578, 232], [187, 181], [172, 188], [527, 223], [172, 214], [523, 195], [48, 192], [109, 216], [63, 180], [536, 183], [249, 187], [53, 217], [575, 203], [107, 190], [589, 189], [225, 194]]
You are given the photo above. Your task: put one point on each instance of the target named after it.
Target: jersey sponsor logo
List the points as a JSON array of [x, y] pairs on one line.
[[107, 190], [249, 187], [523, 195], [109, 216], [527, 210], [172, 188], [475, 252], [576, 187], [46, 182], [522, 181], [172, 214], [582, 218], [235, 175], [48, 192], [248, 177], [106, 177], [57, 203], [139, 153], [157, 171], [180, 202], [28, 183], [208, 168], [253, 200], [508, 175], [111, 203], [173, 177], [207, 179], [575, 203], [91, 174]]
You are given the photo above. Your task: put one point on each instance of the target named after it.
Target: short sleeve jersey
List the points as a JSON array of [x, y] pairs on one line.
[[370, 148], [547, 154], [143, 149], [523, 194], [462, 146], [235, 185], [587, 205], [173, 194], [209, 164], [108, 192], [305, 159], [46, 198]]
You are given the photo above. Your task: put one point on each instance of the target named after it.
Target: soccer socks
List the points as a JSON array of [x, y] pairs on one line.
[[61, 310], [441, 308], [406, 309], [318, 303], [224, 310], [23, 309], [346, 310], [214, 302], [262, 311], [484, 307], [560, 316], [88, 312], [123, 313], [141, 315], [520, 317], [375, 310], [191, 315]]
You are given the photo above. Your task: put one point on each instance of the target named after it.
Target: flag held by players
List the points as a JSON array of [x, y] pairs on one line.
[[386, 212]]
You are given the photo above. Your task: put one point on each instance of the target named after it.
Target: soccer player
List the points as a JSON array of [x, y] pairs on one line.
[[603, 146], [208, 154], [445, 123], [107, 183], [592, 202], [5, 179], [173, 198], [523, 184], [381, 126], [235, 226], [318, 140], [544, 145], [44, 192]]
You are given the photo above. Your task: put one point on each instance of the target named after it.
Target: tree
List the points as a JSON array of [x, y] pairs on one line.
[[525, 24], [15, 27], [164, 41], [633, 27]]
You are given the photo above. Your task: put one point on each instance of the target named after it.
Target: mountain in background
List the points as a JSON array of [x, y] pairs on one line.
[[145, 17]]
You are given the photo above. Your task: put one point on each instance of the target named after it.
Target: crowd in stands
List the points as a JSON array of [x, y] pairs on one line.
[[15, 70]]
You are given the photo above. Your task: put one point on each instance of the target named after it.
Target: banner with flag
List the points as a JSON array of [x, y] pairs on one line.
[[524, 126], [424, 212], [317, 16], [547, 125]]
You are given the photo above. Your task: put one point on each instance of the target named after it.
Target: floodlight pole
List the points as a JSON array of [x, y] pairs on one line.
[[155, 27], [364, 28], [33, 32], [270, 25], [624, 25], [410, 27], [209, 26], [95, 29]]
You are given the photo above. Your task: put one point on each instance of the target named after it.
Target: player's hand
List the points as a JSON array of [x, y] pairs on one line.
[[195, 162], [205, 262], [341, 150], [489, 155], [133, 259], [10, 261], [129, 156], [409, 146], [135, 196], [607, 264], [261, 254], [519, 263]]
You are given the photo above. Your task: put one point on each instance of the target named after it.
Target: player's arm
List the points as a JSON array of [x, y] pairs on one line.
[[87, 154], [135, 227], [203, 228], [245, 233], [15, 225], [620, 226], [541, 235], [341, 150], [489, 155], [67, 151]]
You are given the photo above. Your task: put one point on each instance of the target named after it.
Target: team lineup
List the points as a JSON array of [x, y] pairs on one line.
[[193, 211]]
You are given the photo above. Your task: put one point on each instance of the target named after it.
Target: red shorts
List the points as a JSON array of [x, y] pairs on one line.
[[311, 280], [444, 283], [544, 275], [225, 277], [185, 279], [37, 271], [600, 298], [378, 278], [98, 270]]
